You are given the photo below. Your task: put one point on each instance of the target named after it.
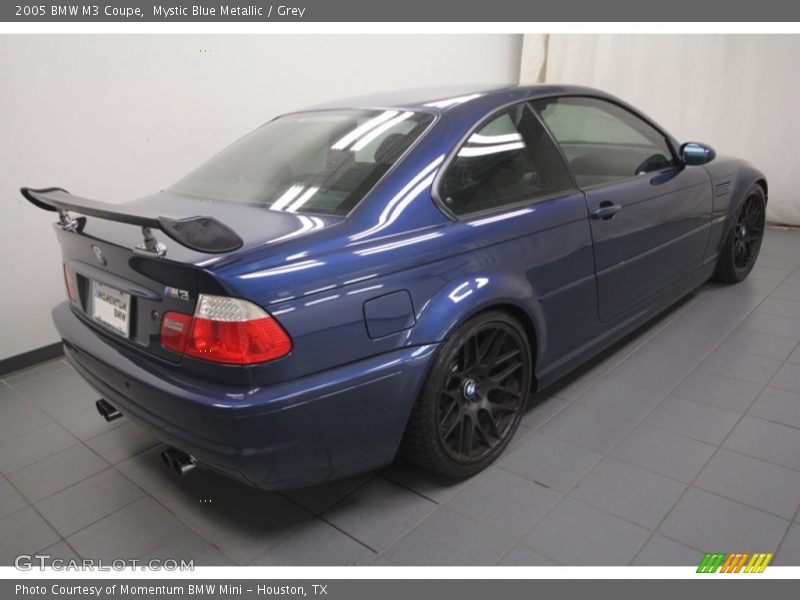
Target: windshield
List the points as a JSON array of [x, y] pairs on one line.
[[316, 162]]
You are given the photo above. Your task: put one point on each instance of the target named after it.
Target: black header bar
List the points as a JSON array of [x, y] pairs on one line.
[[338, 11]]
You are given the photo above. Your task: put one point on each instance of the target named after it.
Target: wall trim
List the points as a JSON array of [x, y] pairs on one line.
[[31, 358]]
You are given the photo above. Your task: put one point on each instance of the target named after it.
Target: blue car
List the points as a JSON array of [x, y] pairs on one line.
[[392, 274]]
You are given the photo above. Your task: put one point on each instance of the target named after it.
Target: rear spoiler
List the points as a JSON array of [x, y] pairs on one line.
[[204, 234]]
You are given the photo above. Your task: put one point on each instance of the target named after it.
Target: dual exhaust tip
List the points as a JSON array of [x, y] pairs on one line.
[[178, 461], [108, 412], [175, 460]]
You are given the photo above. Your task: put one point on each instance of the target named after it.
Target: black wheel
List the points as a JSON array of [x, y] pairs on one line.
[[473, 399], [741, 248]]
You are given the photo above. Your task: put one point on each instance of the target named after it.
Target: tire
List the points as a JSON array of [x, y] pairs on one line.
[[743, 243], [473, 398]]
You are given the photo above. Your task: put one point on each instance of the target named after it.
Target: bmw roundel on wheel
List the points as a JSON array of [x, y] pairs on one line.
[[390, 275]]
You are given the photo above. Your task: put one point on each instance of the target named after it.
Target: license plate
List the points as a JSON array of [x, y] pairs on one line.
[[111, 307]]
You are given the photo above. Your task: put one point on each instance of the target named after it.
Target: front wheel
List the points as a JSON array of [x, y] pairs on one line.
[[473, 399], [744, 240]]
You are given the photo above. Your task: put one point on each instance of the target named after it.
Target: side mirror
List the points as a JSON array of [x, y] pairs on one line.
[[695, 153]]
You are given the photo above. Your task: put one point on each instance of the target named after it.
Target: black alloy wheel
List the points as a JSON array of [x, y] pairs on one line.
[[474, 397], [739, 254], [748, 232]]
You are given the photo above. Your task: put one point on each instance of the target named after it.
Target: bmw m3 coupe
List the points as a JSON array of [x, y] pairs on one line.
[[390, 274]]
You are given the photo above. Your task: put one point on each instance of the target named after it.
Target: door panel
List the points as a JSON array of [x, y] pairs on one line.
[[657, 236], [650, 216]]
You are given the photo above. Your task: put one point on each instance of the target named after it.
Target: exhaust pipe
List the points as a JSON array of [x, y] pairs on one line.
[[108, 412], [178, 461]]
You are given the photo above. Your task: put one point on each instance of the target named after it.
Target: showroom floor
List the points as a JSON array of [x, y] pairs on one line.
[[683, 439]]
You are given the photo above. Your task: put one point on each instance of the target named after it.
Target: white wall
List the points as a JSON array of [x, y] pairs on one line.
[[117, 117], [737, 93]]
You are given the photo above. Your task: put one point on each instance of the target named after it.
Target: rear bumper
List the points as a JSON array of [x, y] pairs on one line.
[[298, 433]]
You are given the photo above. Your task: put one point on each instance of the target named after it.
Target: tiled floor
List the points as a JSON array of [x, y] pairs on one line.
[[683, 438]]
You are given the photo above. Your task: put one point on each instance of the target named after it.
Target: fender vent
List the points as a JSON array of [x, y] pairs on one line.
[[722, 189]]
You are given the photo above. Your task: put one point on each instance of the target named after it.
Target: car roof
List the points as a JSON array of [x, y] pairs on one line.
[[457, 98], [464, 105]]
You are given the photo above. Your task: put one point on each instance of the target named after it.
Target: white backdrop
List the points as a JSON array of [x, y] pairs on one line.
[[738, 93], [116, 117]]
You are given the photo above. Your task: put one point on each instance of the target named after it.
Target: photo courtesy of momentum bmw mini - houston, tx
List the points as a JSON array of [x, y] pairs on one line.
[[390, 274], [123, 589]]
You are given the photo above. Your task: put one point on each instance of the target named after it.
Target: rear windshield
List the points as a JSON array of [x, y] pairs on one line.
[[316, 162]]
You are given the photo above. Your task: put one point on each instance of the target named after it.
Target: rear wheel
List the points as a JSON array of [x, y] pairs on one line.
[[741, 248], [473, 399]]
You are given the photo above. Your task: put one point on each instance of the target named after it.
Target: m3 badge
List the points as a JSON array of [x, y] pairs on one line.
[[176, 293]]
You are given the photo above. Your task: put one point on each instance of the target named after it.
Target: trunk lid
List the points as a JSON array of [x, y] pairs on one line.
[[254, 224], [124, 293]]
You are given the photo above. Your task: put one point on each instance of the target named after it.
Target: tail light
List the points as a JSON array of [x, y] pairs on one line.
[[225, 330], [69, 281]]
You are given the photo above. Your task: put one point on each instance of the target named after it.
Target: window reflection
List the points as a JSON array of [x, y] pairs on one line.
[[509, 159], [320, 162]]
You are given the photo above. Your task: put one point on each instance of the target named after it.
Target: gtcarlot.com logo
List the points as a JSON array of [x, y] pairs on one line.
[[28, 562], [735, 562]]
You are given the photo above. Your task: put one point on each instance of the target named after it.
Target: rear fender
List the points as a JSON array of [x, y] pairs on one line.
[[465, 296]]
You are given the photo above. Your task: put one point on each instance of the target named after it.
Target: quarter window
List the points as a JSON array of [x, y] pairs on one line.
[[508, 160], [603, 142]]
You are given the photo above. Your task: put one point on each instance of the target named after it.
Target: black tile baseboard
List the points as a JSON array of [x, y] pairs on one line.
[[31, 358]]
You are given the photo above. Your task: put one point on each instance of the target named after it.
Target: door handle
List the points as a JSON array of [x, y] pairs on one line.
[[605, 211]]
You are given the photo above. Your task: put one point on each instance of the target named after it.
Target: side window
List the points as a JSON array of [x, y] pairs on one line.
[[509, 159], [603, 142]]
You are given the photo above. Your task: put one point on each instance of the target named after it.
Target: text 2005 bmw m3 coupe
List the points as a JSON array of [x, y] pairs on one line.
[[390, 274]]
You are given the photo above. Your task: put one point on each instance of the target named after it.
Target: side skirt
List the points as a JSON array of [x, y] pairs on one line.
[[551, 373]]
